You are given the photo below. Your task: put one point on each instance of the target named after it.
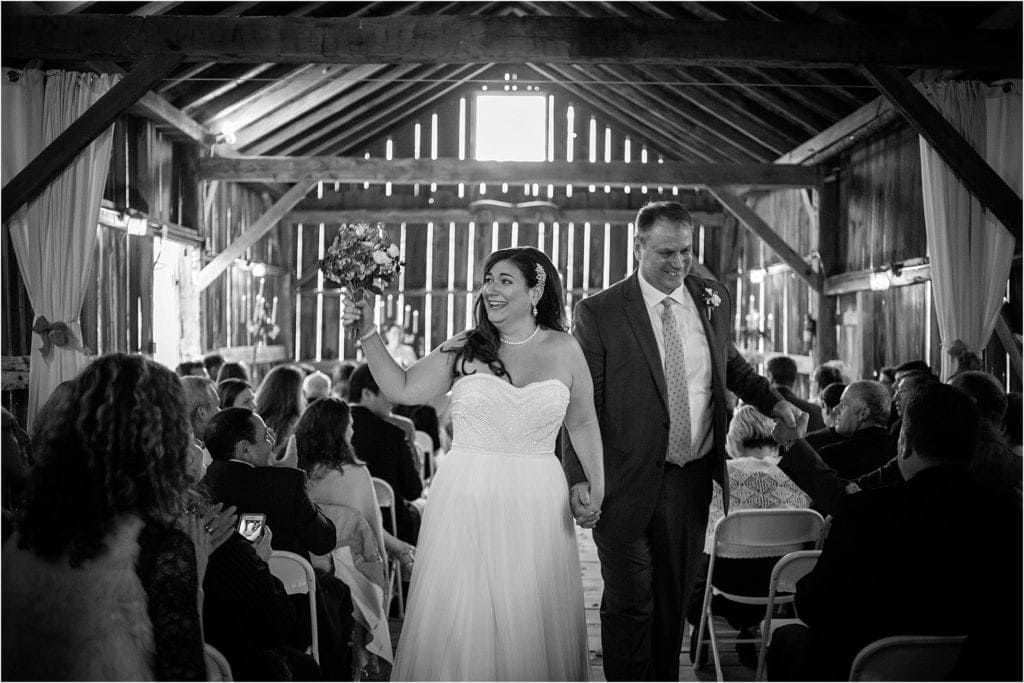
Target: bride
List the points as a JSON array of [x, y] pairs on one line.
[[496, 592]]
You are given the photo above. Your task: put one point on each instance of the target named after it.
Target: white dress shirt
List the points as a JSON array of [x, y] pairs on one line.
[[696, 351]]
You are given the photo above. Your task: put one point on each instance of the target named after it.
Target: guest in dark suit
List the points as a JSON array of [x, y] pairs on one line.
[[861, 418], [905, 559], [382, 446], [661, 356], [241, 447], [781, 372]]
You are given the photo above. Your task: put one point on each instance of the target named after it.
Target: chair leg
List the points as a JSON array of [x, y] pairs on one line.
[[763, 651], [714, 645], [697, 659]]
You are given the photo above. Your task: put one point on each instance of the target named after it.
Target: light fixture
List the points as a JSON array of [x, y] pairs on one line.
[[227, 133], [259, 270], [757, 275]]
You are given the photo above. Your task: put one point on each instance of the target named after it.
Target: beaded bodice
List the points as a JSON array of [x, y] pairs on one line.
[[490, 414]]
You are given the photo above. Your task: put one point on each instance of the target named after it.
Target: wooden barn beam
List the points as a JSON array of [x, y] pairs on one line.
[[1009, 343], [156, 108], [464, 215], [450, 171], [466, 40], [972, 169], [32, 179], [745, 215], [254, 232]]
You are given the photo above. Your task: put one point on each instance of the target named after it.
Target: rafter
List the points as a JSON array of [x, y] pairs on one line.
[[463, 40], [451, 171], [465, 215]]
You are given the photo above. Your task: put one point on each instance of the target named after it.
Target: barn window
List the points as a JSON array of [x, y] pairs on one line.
[[511, 128]]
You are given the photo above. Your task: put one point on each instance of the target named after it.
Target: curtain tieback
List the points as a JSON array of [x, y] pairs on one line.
[[56, 334]]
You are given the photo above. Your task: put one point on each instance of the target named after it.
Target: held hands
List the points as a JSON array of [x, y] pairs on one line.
[[792, 424], [788, 413], [209, 528], [585, 505], [357, 313]]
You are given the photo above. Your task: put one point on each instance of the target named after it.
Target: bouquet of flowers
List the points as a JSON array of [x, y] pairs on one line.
[[360, 257]]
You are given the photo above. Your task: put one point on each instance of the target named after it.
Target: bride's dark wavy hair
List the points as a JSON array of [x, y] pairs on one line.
[[483, 341]]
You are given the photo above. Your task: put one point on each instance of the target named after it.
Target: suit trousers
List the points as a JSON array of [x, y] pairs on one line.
[[648, 580]]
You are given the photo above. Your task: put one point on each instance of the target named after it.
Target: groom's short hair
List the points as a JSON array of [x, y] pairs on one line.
[[651, 212]]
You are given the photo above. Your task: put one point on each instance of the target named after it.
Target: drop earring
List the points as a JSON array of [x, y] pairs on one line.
[[535, 310]]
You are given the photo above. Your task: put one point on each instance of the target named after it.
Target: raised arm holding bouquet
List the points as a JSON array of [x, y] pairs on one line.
[[360, 257]]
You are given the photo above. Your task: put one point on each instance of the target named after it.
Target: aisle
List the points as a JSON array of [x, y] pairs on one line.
[[732, 670]]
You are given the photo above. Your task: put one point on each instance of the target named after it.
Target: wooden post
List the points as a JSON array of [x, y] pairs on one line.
[[27, 185], [826, 346]]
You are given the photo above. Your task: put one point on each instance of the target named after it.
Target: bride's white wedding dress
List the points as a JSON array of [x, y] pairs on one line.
[[496, 591]]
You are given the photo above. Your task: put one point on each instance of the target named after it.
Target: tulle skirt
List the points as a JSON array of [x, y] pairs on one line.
[[496, 592]]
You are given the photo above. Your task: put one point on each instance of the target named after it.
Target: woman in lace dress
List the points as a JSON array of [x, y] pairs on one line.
[[755, 482], [496, 592], [101, 579]]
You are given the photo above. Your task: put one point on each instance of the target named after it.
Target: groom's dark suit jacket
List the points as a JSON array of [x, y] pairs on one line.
[[614, 330]]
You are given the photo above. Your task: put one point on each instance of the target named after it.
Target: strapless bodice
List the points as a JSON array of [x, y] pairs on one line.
[[490, 414]]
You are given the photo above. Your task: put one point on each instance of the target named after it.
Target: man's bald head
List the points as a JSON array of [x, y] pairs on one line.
[[201, 402]]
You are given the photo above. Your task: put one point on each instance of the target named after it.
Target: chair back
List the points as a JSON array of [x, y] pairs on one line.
[[424, 442], [217, 667], [766, 533], [297, 576], [907, 658], [386, 499], [425, 445], [787, 571]]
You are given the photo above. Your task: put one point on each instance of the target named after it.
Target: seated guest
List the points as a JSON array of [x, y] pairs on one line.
[[191, 368], [994, 466], [100, 581], [316, 385], [403, 353], [15, 469], [280, 403], [338, 478], [904, 559], [340, 377], [909, 378], [236, 393], [755, 482], [233, 370], [826, 374], [213, 362], [861, 418], [887, 376], [782, 375], [201, 402], [383, 447], [827, 436], [248, 617], [241, 446]]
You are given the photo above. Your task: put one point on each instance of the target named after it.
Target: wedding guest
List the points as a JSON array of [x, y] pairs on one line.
[[1012, 422], [825, 374], [233, 370], [887, 376], [236, 393], [904, 559], [202, 403], [404, 354], [755, 483], [862, 418], [829, 398], [15, 469], [340, 377], [383, 447], [280, 403], [104, 532], [316, 385], [191, 368], [213, 362], [782, 375]]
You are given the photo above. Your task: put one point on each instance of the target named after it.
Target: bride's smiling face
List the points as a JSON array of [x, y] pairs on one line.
[[505, 293]]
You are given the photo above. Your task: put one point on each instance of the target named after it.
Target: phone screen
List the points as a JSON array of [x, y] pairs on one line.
[[250, 525]]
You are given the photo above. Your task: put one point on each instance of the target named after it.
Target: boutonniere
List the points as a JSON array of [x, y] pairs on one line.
[[711, 300]]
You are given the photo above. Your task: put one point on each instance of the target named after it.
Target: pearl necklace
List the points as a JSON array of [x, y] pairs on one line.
[[516, 343]]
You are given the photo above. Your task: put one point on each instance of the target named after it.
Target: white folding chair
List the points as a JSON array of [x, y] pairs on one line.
[[296, 573], [426, 447], [386, 499], [907, 658], [782, 589], [752, 533], [217, 667]]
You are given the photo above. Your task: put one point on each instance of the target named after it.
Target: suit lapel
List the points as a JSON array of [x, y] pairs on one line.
[[640, 321]]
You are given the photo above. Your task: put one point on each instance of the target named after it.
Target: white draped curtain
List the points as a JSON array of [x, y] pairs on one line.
[[970, 250], [54, 235]]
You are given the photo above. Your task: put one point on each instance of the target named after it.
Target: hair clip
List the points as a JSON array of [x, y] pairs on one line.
[[542, 275]]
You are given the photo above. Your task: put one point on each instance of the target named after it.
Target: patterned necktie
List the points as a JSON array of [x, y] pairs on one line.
[[679, 448]]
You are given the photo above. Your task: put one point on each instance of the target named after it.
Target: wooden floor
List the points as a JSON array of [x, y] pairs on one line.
[[592, 586]]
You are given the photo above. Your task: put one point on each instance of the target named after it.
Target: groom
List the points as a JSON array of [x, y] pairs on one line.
[[660, 352]]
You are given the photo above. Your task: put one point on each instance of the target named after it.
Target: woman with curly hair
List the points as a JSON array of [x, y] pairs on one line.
[[280, 403], [338, 478], [101, 578]]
